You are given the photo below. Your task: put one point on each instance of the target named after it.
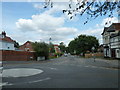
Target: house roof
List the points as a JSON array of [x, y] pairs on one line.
[[8, 39], [105, 29], [117, 26], [26, 43], [27, 46], [112, 28]]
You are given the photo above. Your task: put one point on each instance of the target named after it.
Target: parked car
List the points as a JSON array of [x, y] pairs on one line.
[[65, 54]]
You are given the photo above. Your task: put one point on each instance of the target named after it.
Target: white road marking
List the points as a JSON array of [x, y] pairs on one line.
[[53, 68], [20, 72], [39, 80], [9, 84], [4, 84]]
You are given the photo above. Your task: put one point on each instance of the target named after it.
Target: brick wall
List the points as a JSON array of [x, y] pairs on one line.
[[9, 55]]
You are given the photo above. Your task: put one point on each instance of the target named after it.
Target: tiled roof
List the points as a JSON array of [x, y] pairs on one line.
[[112, 28], [8, 39], [28, 45], [116, 26], [27, 42]]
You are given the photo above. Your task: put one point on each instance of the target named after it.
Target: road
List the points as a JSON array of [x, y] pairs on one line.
[[63, 72]]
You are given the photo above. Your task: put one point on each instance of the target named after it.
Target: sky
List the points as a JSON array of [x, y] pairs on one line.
[[29, 21]]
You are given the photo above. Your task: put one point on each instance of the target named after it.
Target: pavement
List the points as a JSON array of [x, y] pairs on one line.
[[102, 62]]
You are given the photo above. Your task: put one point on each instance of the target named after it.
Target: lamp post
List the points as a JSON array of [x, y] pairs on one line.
[[50, 47], [93, 48]]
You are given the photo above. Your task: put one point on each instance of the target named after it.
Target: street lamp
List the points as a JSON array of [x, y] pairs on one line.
[[93, 48]]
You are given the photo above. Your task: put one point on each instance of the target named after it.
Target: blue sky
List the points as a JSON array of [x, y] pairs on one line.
[[25, 21]]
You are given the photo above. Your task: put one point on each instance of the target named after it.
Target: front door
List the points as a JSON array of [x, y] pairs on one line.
[[113, 53]]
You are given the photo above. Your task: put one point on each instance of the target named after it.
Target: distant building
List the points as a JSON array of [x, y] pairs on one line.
[[27, 47], [100, 48], [6, 43], [111, 40], [57, 49]]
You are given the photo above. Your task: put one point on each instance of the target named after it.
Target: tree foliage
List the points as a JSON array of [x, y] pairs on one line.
[[51, 48], [82, 44], [62, 47], [16, 44], [41, 49], [93, 8]]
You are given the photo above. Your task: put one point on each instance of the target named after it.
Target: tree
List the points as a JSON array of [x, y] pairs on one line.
[[72, 46], [62, 47], [93, 8], [16, 44], [82, 44], [41, 49], [51, 48], [67, 50]]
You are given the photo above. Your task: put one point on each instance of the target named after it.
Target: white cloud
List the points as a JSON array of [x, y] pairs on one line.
[[109, 22], [46, 25], [112, 20], [37, 6], [25, 25], [94, 32], [98, 29], [58, 7], [66, 31]]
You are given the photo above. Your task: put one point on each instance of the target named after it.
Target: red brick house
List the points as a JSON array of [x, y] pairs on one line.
[[57, 49], [27, 47]]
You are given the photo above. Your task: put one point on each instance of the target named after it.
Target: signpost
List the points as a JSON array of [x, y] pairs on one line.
[[93, 48]]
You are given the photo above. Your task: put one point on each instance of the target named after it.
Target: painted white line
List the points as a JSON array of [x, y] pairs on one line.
[[20, 72], [4, 84], [53, 68], [9, 84], [39, 80]]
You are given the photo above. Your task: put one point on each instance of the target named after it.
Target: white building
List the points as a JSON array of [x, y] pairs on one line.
[[6, 43], [111, 40]]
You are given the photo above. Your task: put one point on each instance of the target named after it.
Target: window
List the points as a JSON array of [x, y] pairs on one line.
[[26, 49]]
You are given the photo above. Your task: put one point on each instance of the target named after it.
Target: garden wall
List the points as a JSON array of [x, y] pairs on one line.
[[9, 55], [99, 54]]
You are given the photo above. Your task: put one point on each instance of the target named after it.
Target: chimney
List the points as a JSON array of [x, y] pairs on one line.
[[3, 34]]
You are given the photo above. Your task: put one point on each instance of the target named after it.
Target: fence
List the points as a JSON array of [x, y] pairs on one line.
[[9, 55], [99, 54]]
